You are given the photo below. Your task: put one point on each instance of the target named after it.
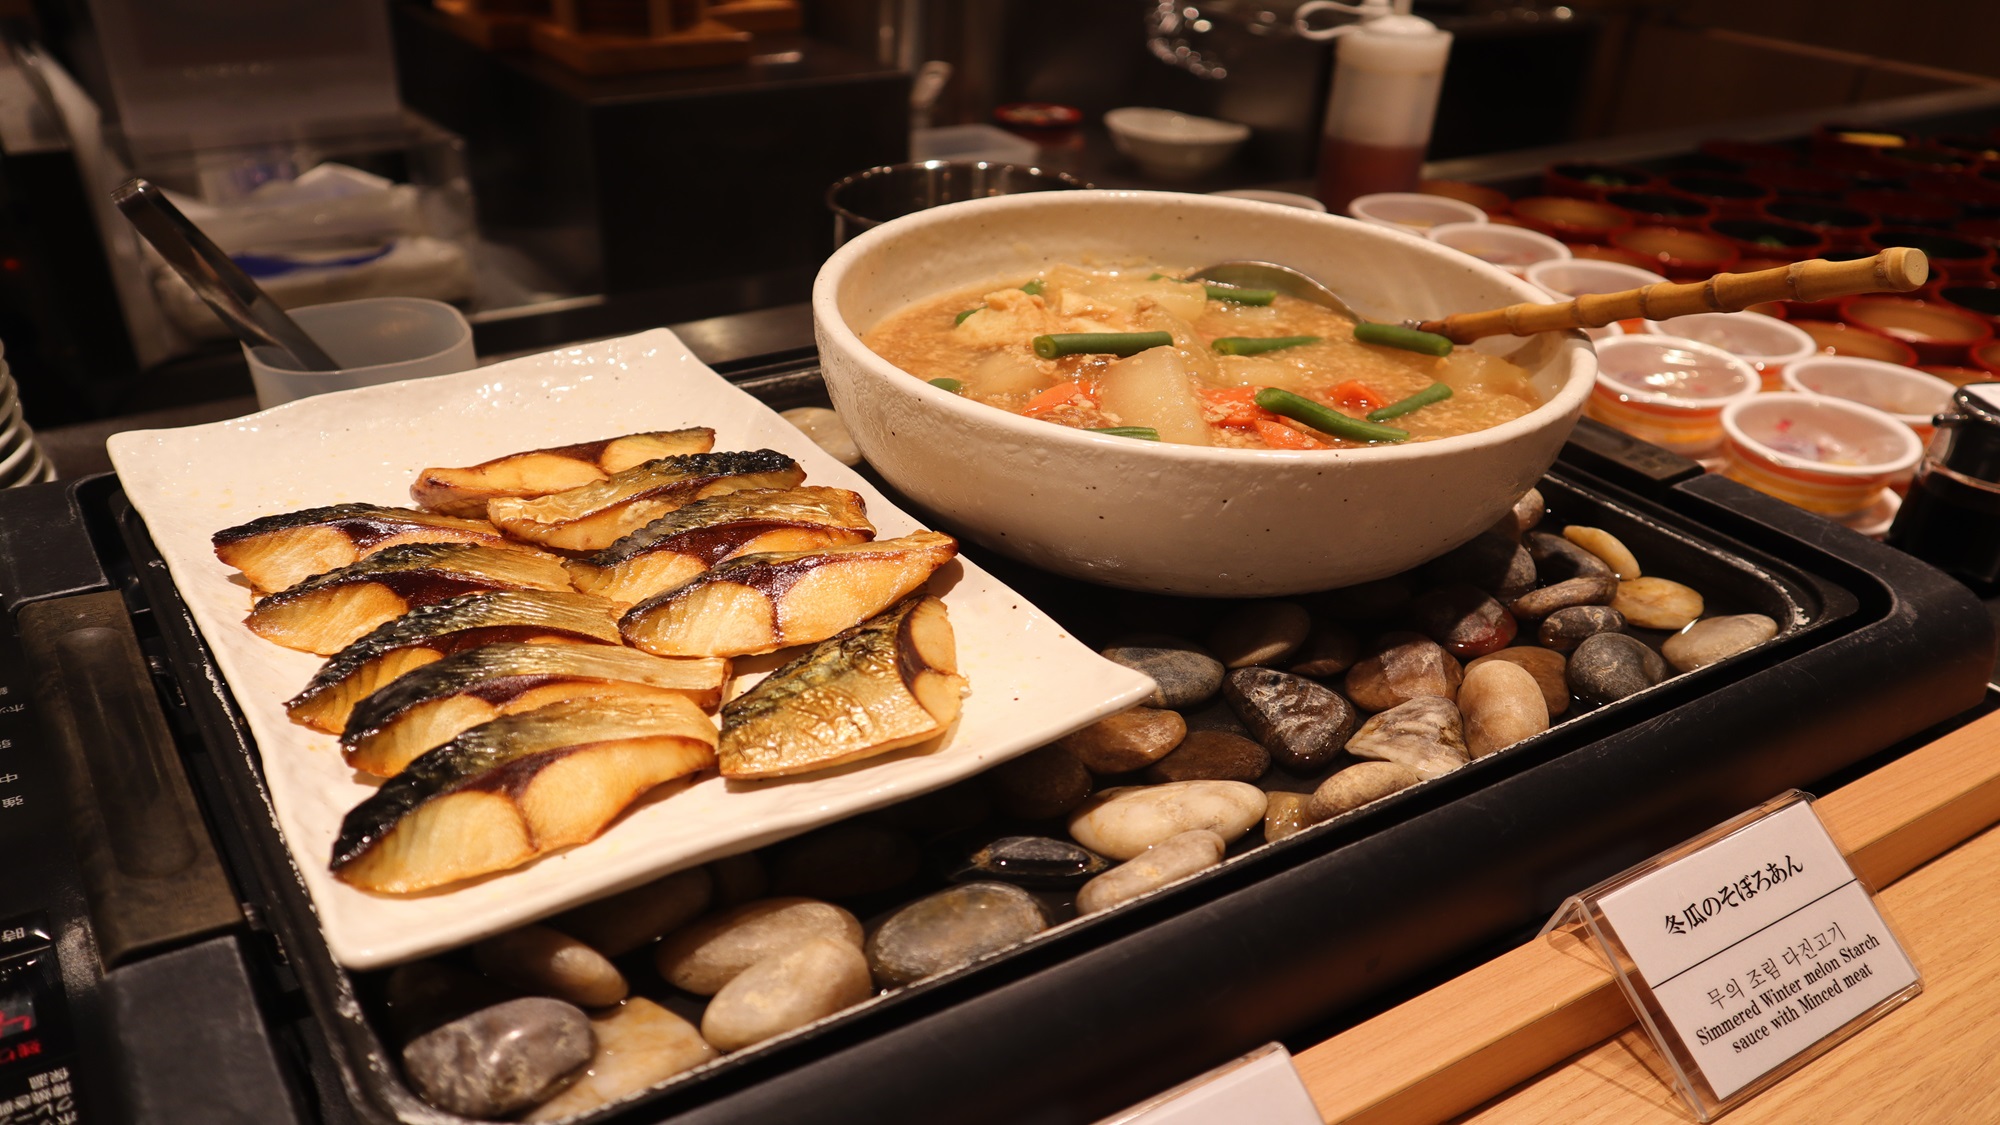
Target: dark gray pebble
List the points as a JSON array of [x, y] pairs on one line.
[[1329, 651], [1591, 590], [1301, 723], [1464, 619], [1565, 629], [1184, 674], [1032, 861], [503, 1059], [1610, 666], [1559, 559], [1212, 755]]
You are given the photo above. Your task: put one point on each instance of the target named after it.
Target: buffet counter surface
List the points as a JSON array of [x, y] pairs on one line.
[[1541, 1033]]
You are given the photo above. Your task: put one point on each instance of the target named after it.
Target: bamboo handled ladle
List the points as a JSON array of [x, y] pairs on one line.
[[1898, 269]]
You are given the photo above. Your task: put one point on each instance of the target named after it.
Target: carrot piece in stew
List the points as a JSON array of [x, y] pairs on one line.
[[1277, 435], [1061, 393]]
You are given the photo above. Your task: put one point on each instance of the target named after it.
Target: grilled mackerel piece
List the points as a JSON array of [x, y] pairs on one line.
[[425, 708], [328, 611], [758, 603], [538, 472], [596, 515], [889, 682], [275, 552], [683, 543], [430, 633], [504, 792]]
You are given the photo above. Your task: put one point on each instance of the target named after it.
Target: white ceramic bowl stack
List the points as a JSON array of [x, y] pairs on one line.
[[1181, 519], [21, 458]]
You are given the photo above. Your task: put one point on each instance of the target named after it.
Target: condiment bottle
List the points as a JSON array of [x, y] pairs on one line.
[[1388, 68], [1951, 518]]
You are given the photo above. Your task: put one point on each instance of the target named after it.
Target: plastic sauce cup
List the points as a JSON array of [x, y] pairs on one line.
[[1825, 455], [1763, 342], [1669, 390], [1912, 397], [375, 340]]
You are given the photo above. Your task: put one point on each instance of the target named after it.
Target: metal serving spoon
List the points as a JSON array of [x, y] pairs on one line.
[[1898, 269]]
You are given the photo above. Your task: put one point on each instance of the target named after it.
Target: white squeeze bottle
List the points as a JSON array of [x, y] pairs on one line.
[[1387, 69]]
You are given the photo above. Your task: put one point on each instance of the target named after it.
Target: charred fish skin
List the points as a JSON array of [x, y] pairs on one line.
[[759, 603], [889, 682], [327, 612], [597, 515], [432, 632], [388, 728], [464, 491], [689, 540], [282, 550], [478, 760]]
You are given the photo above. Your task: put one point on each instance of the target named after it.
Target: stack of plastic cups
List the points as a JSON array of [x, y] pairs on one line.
[[21, 458]]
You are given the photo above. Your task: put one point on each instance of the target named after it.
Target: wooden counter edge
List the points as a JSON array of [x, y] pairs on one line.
[[1476, 1036]]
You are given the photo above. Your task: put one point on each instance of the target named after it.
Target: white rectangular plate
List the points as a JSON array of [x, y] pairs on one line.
[[1031, 681]]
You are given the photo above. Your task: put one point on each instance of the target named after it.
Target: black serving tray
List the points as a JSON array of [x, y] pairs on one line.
[[1100, 1013]]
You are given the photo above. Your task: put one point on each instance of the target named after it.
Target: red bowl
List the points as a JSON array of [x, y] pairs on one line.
[[1774, 309], [1951, 256], [1957, 376], [1913, 160], [1970, 145], [1979, 230], [1816, 183], [1729, 195], [1591, 179], [1684, 255], [1769, 238], [1840, 339], [1662, 208], [1610, 254], [1986, 357], [1840, 226], [1570, 219], [1980, 298], [1489, 200], [1905, 208], [1938, 333]]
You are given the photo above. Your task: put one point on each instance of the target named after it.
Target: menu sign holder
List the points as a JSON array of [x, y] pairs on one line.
[[1746, 952]]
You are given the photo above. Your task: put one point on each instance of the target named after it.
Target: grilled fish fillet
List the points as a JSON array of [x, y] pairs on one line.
[[504, 792], [759, 603], [279, 551], [328, 611], [683, 543], [889, 682], [433, 632], [538, 472], [427, 707], [596, 515]]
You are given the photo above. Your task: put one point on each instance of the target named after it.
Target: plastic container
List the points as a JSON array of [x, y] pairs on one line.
[[1910, 396], [375, 340], [1825, 455], [1412, 211], [1763, 342], [1669, 390], [1511, 248], [1579, 276], [1387, 71]]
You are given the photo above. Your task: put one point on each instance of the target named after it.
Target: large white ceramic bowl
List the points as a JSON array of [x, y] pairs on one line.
[[1177, 518]]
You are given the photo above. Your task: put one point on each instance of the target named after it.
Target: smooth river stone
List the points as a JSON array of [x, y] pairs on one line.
[[1287, 814], [1656, 603], [1328, 651], [1301, 722], [827, 430], [1522, 576], [1212, 755], [703, 957], [1426, 734], [786, 990], [1259, 633], [1183, 673], [1501, 704], [1402, 667], [1717, 638], [1550, 669], [1121, 823], [846, 861], [501, 1060], [1356, 786], [1165, 862], [1040, 784], [951, 928], [629, 919], [1558, 559], [1565, 629], [1032, 861], [1464, 619], [1528, 511], [1130, 740], [1607, 547], [1610, 666], [1567, 594], [546, 962], [639, 1045]]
